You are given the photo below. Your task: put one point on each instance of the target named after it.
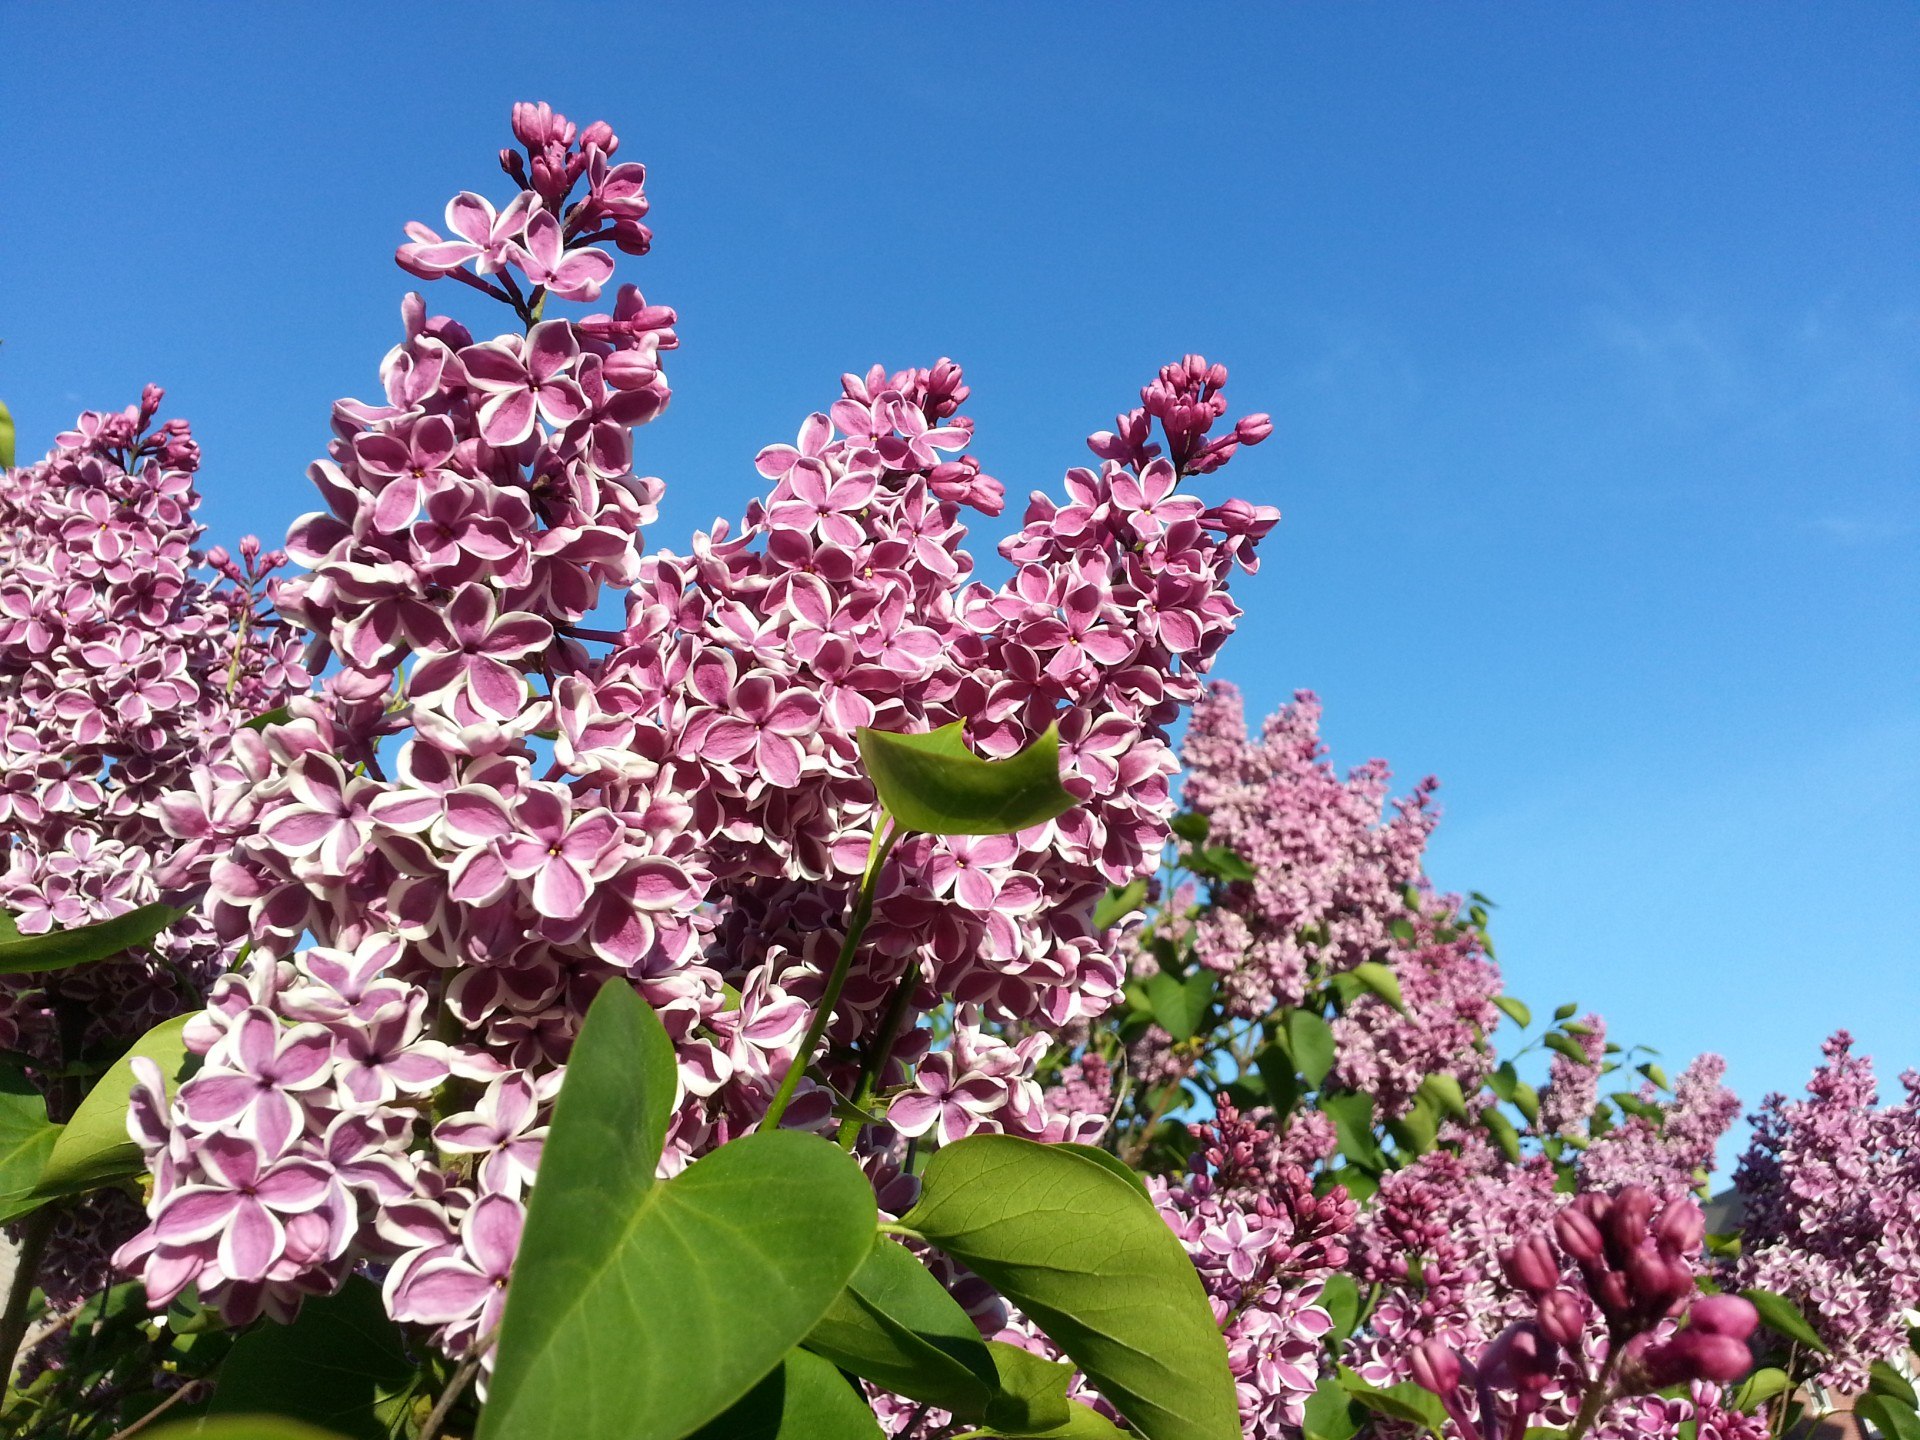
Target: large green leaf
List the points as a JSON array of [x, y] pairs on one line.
[[933, 782], [59, 949], [897, 1326], [240, 1427], [804, 1398], [1081, 1423], [1310, 1042], [341, 1364], [1090, 1261], [1894, 1419], [642, 1307], [94, 1148], [27, 1138], [1404, 1401], [1180, 1005], [1783, 1317]]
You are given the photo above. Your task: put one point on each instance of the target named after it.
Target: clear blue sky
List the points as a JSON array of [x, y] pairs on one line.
[[1592, 334]]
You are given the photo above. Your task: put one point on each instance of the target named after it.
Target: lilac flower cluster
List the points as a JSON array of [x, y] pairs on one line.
[[1612, 1313], [127, 659], [1670, 1153], [1264, 1244], [1332, 880], [1831, 1188], [490, 807], [1573, 1087]]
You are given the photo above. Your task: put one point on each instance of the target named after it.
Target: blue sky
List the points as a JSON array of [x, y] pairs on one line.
[[1592, 335]]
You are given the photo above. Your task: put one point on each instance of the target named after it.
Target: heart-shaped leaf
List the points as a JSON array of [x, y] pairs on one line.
[[804, 1398], [897, 1326], [59, 949], [27, 1138], [932, 782], [93, 1148], [341, 1363], [1180, 1005], [1090, 1260], [643, 1307]]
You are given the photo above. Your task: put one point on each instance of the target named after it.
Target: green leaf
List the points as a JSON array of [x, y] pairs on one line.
[[1112, 1162], [1634, 1105], [1032, 1398], [1568, 1047], [58, 949], [1783, 1317], [804, 1398], [1759, 1387], [338, 1360], [645, 1307], [1654, 1073], [1081, 1424], [897, 1326], [1310, 1042], [932, 782], [1381, 981], [1118, 903], [279, 715], [1352, 1116], [1514, 1010], [1191, 826], [1227, 864], [1883, 1379], [1340, 1298], [1526, 1100], [1894, 1419], [1405, 1401], [1089, 1259], [6, 437], [93, 1148], [240, 1427], [27, 1138], [1416, 1131], [1329, 1413], [1565, 1012], [1180, 1005], [1275, 1065], [1501, 1130], [1444, 1091], [1402, 931]]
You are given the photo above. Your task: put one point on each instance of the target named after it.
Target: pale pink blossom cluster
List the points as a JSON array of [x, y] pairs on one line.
[[1831, 1190], [127, 659], [1673, 1153], [491, 807], [1573, 1087]]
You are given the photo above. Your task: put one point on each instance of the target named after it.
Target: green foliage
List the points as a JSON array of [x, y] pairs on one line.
[[1883, 1379], [1783, 1317], [342, 1364], [92, 1148], [1515, 1010], [1090, 1260], [804, 1398], [61, 949], [1381, 981], [1759, 1387], [1309, 1040], [934, 783], [648, 1305], [1081, 1424], [1894, 1419], [1330, 1413], [1180, 1005], [241, 1427], [1500, 1130], [1568, 1047], [1118, 903], [1405, 1401], [6, 437], [27, 1138], [897, 1326]]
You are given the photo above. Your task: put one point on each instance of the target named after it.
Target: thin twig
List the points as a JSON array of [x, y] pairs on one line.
[[462, 1377], [34, 1234], [154, 1414]]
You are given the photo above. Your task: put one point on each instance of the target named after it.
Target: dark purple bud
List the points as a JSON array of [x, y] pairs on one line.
[[1520, 1358], [1530, 1265], [1611, 1294], [1727, 1315], [1579, 1236], [1561, 1318], [1627, 1220], [1694, 1355], [1252, 429], [1680, 1228], [1435, 1367], [1658, 1284]]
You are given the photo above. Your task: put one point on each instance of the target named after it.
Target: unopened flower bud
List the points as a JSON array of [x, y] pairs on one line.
[[1435, 1367], [1530, 1265], [1579, 1236], [1694, 1355], [1561, 1318], [1728, 1315], [1252, 429], [1626, 1221], [1680, 1228]]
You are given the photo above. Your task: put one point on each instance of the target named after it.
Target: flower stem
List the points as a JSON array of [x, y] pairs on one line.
[[34, 1234], [882, 846], [879, 1052]]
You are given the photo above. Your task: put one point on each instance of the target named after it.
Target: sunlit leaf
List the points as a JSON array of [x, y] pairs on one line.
[[93, 1147], [1783, 1317], [932, 782], [59, 949]]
